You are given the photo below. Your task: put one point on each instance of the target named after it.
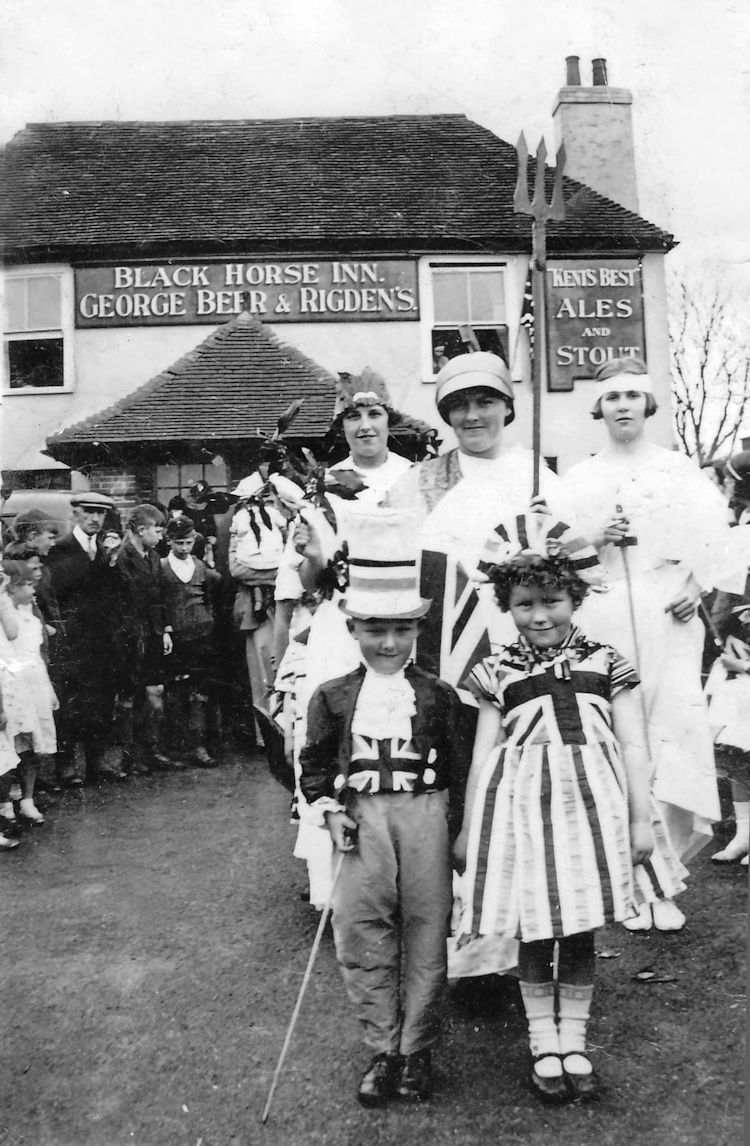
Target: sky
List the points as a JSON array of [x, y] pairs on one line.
[[498, 62]]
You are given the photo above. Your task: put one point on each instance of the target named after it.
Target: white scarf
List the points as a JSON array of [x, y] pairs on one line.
[[183, 569]]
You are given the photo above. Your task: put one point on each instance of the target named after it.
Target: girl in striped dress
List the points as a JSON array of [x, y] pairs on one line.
[[557, 815]]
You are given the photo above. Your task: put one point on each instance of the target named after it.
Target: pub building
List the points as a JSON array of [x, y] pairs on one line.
[[170, 287]]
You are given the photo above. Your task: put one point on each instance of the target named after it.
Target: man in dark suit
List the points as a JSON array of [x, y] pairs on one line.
[[85, 584]]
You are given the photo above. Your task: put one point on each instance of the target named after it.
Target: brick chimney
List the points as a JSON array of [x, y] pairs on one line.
[[596, 126]]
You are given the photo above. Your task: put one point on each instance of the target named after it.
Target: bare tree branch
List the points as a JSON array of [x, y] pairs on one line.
[[709, 348]]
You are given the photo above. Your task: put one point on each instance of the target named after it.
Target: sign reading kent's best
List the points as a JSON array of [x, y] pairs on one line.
[[594, 312], [299, 291]]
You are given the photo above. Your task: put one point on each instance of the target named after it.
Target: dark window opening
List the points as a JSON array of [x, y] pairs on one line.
[[447, 343], [35, 363]]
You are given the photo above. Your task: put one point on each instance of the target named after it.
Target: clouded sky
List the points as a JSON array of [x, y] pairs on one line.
[[498, 62]]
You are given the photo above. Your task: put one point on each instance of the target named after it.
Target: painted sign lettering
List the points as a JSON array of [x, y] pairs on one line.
[[594, 312], [300, 291]]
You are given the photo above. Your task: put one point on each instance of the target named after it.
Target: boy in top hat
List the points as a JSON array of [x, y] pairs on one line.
[[385, 766]]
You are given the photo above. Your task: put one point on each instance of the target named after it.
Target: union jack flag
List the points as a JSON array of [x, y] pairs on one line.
[[454, 635], [526, 322]]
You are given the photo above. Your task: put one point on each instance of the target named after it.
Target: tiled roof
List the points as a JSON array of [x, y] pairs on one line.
[[236, 381], [432, 182]]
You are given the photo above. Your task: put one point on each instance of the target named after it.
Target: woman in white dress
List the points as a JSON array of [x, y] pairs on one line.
[[634, 489]]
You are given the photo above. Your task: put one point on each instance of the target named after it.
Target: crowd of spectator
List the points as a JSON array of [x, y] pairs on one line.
[[117, 653]]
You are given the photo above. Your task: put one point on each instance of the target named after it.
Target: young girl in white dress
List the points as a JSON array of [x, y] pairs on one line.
[[28, 696], [559, 814]]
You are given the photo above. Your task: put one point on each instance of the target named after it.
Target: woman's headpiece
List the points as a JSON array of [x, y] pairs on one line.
[[623, 381], [365, 389], [480, 368]]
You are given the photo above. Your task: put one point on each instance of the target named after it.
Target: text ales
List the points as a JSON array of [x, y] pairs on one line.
[[273, 291], [594, 313]]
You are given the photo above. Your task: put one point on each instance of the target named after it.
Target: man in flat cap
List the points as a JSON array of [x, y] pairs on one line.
[[85, 584]]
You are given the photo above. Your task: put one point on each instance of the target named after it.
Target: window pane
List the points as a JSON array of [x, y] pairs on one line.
[[449, 296], [35, 362], [486, 292], [15, 304], [43, 302], [216, 476]]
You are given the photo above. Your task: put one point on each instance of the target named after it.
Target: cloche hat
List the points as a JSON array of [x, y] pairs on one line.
[[478, 368]]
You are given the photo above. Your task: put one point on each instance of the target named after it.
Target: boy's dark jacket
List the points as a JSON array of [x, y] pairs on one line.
[[439, 723]]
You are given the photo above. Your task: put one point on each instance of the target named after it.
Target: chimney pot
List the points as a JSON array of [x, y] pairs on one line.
[[595, 124], [574, 71], [599, 68]]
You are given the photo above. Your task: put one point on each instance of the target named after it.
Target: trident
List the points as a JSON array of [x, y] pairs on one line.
[[541, 211]]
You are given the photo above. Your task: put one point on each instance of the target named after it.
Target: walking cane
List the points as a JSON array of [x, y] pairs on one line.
[[622, 545], [709, 623], [303, 988]]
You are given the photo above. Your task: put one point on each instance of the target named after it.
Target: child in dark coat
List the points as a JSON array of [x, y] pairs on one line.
[[383, 763], [189, 596]]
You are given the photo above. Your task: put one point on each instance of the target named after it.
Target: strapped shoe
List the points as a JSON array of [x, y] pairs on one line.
[[550, 1088], [582, 1083], [379, 1081], [29, 812], [416, 1076], [667, 915], [643, 921], [732, 853]]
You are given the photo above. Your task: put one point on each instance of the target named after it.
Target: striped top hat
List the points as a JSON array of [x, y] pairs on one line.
[[546, 536], [383, 566]]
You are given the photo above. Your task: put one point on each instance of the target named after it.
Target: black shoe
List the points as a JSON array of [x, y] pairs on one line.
[[202, 758], [379, 1081], [416, 1076], [112, 776], [161, 763], [585, 1086], [553, 1089]]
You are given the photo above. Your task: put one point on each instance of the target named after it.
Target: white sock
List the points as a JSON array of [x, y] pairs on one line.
[[539, 1005], [574, 1005], [742, 825]]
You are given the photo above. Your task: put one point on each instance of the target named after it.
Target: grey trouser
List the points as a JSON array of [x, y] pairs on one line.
[[391, 913]]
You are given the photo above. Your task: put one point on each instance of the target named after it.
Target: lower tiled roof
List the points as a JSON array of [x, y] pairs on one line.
[[235, 383]]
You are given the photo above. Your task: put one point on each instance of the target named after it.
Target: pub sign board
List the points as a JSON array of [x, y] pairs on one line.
[[301, 290], [594, 310]]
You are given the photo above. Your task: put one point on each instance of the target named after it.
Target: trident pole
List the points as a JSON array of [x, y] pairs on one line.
[[541, 211]]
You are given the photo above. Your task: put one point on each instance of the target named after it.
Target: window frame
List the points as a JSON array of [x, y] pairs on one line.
[[64, 331], [427, 297], [185, 485]]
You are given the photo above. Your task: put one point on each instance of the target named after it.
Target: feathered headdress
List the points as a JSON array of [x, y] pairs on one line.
[[543, 535], [414, 438], [365, 389]]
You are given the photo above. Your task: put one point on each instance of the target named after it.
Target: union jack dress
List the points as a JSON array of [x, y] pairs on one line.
[[549, 844]]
